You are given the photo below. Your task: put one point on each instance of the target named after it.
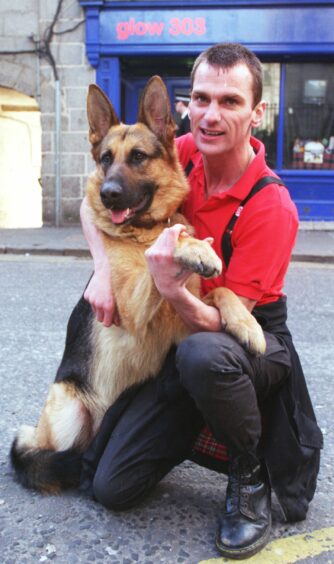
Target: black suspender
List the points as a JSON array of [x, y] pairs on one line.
[[226, 244], [189, 168], [226, 239]]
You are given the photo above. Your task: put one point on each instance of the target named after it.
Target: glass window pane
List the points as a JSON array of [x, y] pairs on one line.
[[309, 116], [267, 132]]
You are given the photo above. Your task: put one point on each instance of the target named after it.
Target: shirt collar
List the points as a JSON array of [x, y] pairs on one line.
[[253, 172], [241, 188]]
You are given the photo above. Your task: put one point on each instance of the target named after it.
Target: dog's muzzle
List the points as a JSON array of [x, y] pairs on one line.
[[111, 193]]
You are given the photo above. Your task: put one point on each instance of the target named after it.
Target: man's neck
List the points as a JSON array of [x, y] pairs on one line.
[[223, 171]]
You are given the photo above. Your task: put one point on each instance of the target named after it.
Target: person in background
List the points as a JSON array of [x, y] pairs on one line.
[[258, 407], [181, 107]]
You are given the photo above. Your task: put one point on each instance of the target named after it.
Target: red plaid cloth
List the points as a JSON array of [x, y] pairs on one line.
[[207, 444], [298, 162]]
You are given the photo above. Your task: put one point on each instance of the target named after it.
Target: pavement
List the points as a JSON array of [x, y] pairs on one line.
[[313, 245]]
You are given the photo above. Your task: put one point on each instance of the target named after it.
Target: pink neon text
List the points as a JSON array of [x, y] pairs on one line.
[[177, 26]]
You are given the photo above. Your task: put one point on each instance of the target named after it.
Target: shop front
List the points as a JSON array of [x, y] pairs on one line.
[[127, 42]]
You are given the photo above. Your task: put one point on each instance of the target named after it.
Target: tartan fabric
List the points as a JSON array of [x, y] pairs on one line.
[[206, 444], [298, 162]]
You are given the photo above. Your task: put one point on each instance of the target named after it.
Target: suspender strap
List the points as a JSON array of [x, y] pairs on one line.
[[226, 239], [189, 168]]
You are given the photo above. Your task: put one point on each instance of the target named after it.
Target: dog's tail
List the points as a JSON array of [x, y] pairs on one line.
[[46, 470]]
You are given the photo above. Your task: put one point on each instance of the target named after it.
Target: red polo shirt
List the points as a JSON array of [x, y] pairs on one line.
[[263, 236]]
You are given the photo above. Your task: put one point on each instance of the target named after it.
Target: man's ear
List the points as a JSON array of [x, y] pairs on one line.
[[155, 111], [258, 113], [101, 114]]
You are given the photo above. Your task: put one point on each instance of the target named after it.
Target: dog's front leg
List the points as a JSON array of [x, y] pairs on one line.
[[237, 320], [138, 301], [197, 256]]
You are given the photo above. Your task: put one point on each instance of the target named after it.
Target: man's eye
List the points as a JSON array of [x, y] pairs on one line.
[[199, 99], [231, 101], [106, 159], [138, 156]]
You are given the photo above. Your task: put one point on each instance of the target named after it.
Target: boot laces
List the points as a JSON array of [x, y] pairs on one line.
[[243, 473]]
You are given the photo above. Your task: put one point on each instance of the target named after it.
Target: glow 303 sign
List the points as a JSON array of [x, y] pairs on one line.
[[115, 31], [141, 27], [176, 27]]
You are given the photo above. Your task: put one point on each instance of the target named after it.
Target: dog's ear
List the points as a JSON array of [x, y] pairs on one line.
[[155, 111], [101, 114]]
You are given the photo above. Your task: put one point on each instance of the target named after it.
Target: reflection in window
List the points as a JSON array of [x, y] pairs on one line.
[[267, 132], [309, 116]]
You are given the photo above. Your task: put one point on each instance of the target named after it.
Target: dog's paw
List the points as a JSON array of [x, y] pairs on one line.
[[249, 334], [237, 320], [198, 256], [26, 438]]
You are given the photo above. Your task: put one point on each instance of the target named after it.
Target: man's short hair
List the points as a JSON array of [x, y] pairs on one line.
[[228, 55]]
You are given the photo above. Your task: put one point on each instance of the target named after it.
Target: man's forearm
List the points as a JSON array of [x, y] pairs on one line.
[[197, 315], [99, 293], [93, 237]]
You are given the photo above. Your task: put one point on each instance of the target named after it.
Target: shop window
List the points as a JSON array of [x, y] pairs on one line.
[[267, 132], [309, 116]]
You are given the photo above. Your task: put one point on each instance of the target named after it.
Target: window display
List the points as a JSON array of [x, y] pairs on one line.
[[309, 116]]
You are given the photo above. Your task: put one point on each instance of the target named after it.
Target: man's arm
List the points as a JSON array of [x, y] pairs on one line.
[[99, 290]]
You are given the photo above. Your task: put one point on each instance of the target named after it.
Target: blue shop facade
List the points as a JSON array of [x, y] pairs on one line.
[[127, 42]]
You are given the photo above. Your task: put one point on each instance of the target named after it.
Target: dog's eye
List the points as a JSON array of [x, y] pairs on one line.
[[106, 159], [137, 156]]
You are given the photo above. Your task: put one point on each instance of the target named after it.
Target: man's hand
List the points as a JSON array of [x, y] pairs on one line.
[[168, 275], [100, 296], [170, 279]]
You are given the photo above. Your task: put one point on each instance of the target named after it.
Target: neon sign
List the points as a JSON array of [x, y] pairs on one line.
[[174, 27], [141, 27]]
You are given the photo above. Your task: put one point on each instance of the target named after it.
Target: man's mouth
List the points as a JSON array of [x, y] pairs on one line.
[[211, 133]]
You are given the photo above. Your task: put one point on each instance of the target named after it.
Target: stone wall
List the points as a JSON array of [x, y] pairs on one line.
[[33, 75]]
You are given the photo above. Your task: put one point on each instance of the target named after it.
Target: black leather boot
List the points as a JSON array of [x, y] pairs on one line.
[[246, 522]]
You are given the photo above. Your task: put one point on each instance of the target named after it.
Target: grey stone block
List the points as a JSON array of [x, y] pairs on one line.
[[70, 211], [49, 211], [48, 186], [72, 163], [47, 141], [70, 10], [76, 97], [71, 186], [68, 54], [48, 164], [76, 76], [78, 120]]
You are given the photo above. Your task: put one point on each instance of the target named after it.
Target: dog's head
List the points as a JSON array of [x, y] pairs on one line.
[[138, 180]]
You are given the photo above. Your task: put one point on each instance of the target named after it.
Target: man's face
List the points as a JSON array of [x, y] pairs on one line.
[[221, 108]]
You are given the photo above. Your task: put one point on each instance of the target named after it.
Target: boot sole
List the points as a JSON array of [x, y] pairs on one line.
[[247, 551]]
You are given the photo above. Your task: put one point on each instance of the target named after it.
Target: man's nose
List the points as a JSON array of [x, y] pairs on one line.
[[213, 112]]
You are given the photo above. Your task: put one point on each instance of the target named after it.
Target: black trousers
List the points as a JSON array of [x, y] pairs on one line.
[[209, 378]]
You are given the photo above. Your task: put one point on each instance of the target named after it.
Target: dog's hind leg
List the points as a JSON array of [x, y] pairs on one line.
[[47, 457], [65, 422]]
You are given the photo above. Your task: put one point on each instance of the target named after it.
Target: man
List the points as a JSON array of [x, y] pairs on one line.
[[181, 107], [257, 406]]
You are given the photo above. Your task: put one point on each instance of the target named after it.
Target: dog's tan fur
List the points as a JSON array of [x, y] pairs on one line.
[[135, 351]]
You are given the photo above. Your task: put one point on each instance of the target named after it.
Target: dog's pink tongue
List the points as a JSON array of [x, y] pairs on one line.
[[118, 216]]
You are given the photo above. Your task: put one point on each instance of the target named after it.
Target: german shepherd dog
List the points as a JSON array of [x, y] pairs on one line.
[[134, 193]]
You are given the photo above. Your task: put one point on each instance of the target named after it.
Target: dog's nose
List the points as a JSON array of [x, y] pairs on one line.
[[111, 192]]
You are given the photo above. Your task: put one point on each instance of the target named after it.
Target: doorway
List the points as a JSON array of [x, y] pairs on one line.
[[20, 160], [132, 90]]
